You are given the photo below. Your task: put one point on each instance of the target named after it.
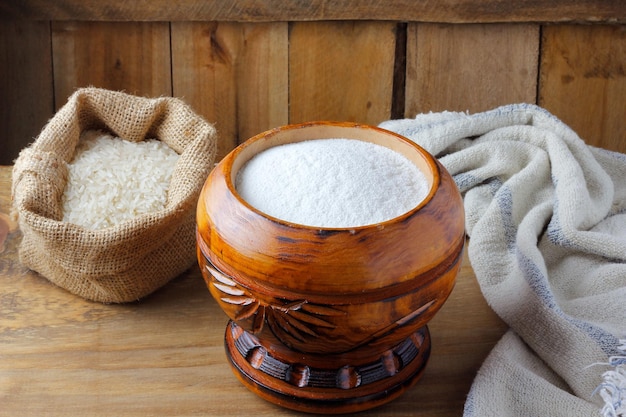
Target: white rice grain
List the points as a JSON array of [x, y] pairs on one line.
[[112, 180]]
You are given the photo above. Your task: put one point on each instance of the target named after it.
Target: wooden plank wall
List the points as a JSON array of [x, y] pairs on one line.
[[247, 77]]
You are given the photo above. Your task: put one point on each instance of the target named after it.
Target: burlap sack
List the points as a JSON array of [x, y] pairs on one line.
[[128, 261]]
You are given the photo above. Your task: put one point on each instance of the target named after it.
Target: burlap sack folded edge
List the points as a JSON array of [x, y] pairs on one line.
[[133, 259]]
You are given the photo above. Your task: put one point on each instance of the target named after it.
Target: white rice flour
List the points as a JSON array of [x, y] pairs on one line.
[[331, 183]]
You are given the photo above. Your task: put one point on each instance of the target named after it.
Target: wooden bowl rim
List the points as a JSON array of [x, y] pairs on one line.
[[232, 163]]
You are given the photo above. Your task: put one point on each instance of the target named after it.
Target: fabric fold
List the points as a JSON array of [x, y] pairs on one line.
[[546, 216]]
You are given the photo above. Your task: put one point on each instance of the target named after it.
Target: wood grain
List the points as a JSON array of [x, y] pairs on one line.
[[263, 79], [234, 75], [583, 81], [329, 304], [449, 11], [341, 71], [25, 84], [470, 67], [133, 57], [62, 355], [248, 77]]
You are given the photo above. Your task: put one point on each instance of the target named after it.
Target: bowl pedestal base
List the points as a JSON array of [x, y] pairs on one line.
[[325, 383]]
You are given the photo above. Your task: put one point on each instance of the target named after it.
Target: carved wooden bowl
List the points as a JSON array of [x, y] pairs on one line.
[[329, 320]]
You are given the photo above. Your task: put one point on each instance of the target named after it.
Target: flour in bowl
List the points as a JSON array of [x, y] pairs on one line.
[[112, 180], [332, 183]]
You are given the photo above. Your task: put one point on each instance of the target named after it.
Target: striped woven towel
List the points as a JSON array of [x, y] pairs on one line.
[[546, 216]]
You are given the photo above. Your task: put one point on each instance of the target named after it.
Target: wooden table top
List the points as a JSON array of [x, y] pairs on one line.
[[61, 355]]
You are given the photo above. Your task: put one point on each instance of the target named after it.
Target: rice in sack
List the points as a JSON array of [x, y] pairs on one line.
[[131, 257], [111, 180]]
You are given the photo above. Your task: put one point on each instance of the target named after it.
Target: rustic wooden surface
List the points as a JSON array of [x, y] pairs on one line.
[[583, 75], [61, 355], [470, 67], [233, 75], [341, 71], [249, 76], [112, 55], [26, 84], [452, 11]]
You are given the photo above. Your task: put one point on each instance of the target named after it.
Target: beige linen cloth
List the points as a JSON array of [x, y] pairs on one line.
[[546, 216]]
